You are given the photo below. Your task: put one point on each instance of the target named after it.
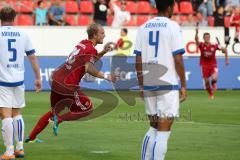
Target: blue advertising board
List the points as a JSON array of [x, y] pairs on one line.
[[229, 76]]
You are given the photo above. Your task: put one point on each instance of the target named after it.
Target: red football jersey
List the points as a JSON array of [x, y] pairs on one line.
[[208, 54], [72, 71]]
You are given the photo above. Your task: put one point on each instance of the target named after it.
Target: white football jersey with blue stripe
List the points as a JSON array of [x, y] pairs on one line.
[[157, 41], [14, 45]]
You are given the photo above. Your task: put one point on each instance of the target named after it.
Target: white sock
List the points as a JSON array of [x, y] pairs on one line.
[[18, 131], [148, 142], [7, 133], [160, 145]]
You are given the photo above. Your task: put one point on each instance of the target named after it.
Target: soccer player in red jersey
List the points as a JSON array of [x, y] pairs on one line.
[[65, 89], [208, 62]]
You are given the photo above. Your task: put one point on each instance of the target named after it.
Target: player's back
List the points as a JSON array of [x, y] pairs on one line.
[[14, 44], [71, 72], [159, 39]]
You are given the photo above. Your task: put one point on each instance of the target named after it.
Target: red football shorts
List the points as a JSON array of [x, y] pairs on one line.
[[70, 105], [208, 71]]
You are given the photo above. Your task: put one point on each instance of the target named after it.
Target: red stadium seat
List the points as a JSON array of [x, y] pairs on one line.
[[86, 7], [71, 7], [154, 10], [131, 6], [10, 2], [71, 20], [109, 20], [26, 6], [186, 7], [14, 4], [141, 19], [84, 20], [227, 21], [24, 20], [210, 21], [143, 7], [176, 9]]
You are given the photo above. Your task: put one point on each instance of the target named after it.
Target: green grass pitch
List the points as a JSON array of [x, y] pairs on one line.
[[206, 130]]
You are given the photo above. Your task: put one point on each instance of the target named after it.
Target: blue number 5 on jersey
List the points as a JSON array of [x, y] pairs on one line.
[[153, 42], [13, 50]]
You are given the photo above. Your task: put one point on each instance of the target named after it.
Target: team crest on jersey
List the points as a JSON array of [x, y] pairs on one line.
[[212, 49]]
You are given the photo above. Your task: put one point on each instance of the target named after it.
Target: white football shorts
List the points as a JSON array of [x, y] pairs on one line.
[[12, 97], [164, 106]]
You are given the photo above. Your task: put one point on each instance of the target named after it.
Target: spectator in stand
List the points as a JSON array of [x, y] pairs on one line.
[[230, 5], [219, 3], [152, 3], [121, 16], [78, 3], [41, 14], [219, 17], [235, 21], [57, 14], [201, 20], [206, 8], [190, 21], [100, 11], [124, 45], [196, 4]]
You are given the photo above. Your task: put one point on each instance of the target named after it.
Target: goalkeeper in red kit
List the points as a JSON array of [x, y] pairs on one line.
[[65, 89], [208, 62]]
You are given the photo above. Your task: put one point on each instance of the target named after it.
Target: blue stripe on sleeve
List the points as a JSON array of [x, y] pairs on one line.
[[28, 53], [180, 51], [138, 53]]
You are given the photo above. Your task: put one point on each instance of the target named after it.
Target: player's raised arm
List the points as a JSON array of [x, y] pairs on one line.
[[196, 36], [89, 68], [225, 51], [38, 83]]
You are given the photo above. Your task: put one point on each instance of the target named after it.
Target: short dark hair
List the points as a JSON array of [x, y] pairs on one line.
[[92, 30], [39, 2], [206, 33], [125, 30], [162, 5], [7, 14]]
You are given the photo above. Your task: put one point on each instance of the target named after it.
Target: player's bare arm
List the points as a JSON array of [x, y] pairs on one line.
[[179, 65], [108, 47], [225, 51], [197, 38], [138, 66], [89, 68], [35, 66]]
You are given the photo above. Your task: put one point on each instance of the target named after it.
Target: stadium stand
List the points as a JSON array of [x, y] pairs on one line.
[[140, 10]]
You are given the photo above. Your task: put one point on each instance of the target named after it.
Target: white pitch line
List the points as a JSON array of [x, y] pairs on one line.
[[99, 152]]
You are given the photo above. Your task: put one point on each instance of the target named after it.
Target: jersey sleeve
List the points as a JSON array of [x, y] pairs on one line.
[[29, 49], [91, 56], [177, 40], [138, 47]]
